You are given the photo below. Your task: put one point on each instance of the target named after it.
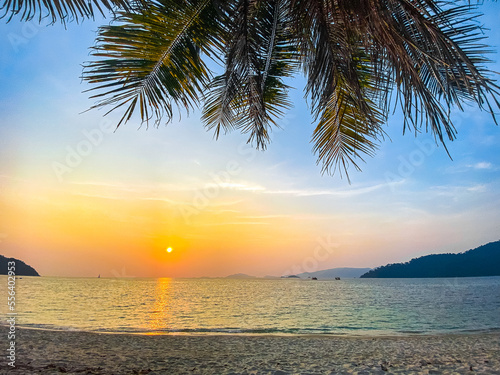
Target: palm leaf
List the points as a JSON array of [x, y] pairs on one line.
[[151, 60], [362, 59], [62, 10], [428, 51], [251, 94], [436, 61], [344, 89], [343, 134]]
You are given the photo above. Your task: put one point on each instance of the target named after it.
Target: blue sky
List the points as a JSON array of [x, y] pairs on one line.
[[409, 200]]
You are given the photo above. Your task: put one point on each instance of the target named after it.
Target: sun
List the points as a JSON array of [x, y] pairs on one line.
[[169, 250]]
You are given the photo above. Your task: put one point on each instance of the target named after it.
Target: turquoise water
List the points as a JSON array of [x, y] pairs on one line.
[[258, 306]]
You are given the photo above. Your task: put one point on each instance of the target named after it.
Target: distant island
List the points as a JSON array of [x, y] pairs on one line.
[[22, 269], [240, 276], [482, 261], [332, 273]]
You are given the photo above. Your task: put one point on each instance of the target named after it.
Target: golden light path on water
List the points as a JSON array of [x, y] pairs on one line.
[[159, 318]]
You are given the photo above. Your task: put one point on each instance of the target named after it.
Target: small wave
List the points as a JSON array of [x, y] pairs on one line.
[[411, 332], [481, 330], [346, 331], [50, 327], [248, 331]]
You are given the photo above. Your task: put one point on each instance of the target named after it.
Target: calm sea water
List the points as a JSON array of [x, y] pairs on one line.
[[350, 306]]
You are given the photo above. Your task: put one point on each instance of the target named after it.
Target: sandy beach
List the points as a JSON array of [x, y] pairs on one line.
[[54, 352]]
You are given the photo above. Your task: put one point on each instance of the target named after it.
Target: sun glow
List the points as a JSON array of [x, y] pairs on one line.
[[169, 250]]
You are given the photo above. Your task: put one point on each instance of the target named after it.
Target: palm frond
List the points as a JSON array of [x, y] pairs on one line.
[[63, 10], [350, 121], [428, 51], [436, 62], [344, 89], [151, 60], [251, 94], [343, 134], [362, 59]]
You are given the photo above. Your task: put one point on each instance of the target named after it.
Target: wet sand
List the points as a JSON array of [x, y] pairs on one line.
[[56, 352]]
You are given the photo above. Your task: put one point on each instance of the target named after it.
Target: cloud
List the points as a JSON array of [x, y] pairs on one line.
[[482, 165], [264, 217], [237, 186], [479, 166], [337, 193], [126, 198], [131, 188], [477, 189], [234, 223], [457, 191]]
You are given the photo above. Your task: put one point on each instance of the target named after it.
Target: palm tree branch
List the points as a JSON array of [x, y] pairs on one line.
[[154, 56], [433, 57], [180, 34], [63, 11], [343, 135], [251, 94]]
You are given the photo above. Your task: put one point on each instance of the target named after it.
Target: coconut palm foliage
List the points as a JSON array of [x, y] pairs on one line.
[[361, 58], [55, 10]]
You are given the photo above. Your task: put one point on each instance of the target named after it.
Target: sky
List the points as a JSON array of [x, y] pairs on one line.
[[78, 198]]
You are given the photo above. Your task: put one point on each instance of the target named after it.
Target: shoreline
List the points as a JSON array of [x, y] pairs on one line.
[[389, 335], [41, 351]]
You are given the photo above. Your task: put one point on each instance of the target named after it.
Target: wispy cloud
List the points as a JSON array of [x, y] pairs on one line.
[[135, 188], [477, 189], [12, 178], [455, 191], [481, 165], [234, 223], [337, 193], [264, 217], [127, 198], [237, 186]]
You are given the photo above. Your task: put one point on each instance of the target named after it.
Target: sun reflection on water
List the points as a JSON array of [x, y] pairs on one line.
[[159, 318]]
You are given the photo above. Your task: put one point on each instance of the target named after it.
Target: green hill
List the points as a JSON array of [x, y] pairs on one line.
[[482, 261], [22, 269]]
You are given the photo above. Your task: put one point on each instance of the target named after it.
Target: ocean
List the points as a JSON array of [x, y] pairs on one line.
[[257, 306]]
